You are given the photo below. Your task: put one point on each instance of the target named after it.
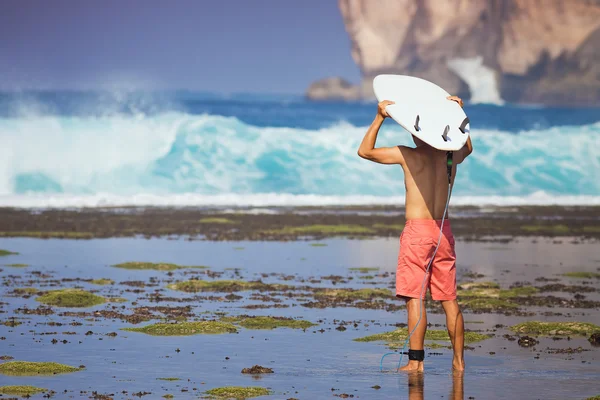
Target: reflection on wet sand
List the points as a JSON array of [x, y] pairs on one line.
[[416, 386]]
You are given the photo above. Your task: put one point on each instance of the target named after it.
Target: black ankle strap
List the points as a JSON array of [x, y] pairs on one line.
[[417, 355]]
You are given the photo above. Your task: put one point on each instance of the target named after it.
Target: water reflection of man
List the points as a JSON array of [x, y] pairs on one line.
[[416, 386]]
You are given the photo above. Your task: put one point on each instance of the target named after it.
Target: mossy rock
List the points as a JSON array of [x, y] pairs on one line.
[[102, 281], [7, 253], [318, 244], [168, 379], [582, 275], [487, 304], [435, 346], [17, 265], [35, 368], [495, 292], [389, 227], [321, 230], [117, 300], [400, 335], [351, 294], [554, 229], [198, 285], [238, 392], [249, 322], [70, 298], [48, 235], [185, 328], [364, 270], [11, 323], [21, 390], [478, 285], [26, 290], [216, 220], [140, 265], [555, 328]]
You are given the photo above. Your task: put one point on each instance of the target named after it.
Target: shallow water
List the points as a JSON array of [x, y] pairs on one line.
[[308, 364]]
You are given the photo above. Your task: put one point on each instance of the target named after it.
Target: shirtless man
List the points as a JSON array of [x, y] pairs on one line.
[[426, 181]]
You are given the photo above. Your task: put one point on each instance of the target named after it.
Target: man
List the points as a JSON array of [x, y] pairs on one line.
[[426, 182]]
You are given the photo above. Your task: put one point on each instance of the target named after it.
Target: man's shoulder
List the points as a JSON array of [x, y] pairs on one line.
[[406, 149]]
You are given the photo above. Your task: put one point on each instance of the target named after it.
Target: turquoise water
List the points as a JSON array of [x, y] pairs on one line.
[[192, 148]]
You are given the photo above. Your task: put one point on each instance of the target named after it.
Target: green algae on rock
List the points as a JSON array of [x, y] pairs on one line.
[[70, 298], [48, 234], [35, 368], [321, 230], [401, 334], [364, 270], [238, 392], [582, 275], [168, 379], [558, 229], [216, 220], [7, 253], [116, 300], [11, 322], [185, 328], [483, 304], [250, 322], [102, 281], [25, 290], [17, 265], [393, 227], [494, 291], [21, 390], [351, 294], [478, 285], [198, 285], [140, 265], [555, 328]]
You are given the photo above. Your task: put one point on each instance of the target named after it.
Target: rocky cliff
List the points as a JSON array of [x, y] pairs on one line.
[[522, 51]]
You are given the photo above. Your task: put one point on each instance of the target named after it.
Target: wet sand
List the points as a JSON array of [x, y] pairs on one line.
[[322, 361]]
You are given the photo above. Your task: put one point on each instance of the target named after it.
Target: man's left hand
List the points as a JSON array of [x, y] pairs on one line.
[[456, 99]]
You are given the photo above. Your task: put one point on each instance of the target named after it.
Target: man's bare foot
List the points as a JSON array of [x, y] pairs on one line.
[[458, 365], [413, 366]]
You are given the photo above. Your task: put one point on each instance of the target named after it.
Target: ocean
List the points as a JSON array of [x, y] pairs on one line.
[[75, 149]]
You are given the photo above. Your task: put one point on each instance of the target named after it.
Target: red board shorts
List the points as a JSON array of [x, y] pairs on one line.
[[417, 244]]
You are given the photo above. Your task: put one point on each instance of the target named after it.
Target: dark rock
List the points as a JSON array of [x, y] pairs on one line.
[[257, 369]]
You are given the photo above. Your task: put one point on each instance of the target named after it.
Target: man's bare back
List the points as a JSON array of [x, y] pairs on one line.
[[425, 171]]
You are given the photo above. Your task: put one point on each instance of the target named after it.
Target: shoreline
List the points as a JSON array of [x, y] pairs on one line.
[[469, 223]]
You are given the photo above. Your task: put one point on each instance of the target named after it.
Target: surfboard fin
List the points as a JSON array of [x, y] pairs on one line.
[[417, 128], [445, 134], [463, 126]]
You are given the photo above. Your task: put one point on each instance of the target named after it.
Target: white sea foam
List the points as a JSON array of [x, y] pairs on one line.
[[274, 200], [480, 79]]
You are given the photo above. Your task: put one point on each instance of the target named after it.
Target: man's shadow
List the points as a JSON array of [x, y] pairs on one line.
[[416, 386]]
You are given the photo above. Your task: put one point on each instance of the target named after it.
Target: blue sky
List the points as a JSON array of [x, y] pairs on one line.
[[271, 46]]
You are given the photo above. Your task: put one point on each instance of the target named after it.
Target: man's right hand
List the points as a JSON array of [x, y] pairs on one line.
[[381, 108]]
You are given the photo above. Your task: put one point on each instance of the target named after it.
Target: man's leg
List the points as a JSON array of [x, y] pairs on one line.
[[456, 331], [417, 339]]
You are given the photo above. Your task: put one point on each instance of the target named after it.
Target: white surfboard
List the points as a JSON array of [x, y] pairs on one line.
[[422, 108]]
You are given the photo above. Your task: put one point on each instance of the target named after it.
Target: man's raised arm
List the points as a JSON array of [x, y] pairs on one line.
[[467, 149], [382, 155]]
